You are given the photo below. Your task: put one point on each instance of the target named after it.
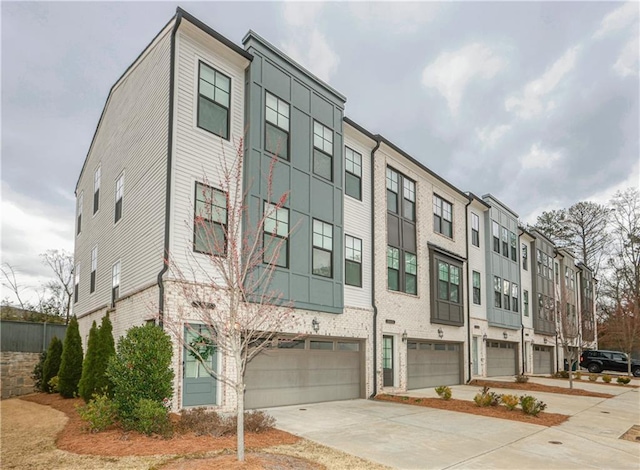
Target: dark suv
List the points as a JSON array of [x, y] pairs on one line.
[[597, 361]]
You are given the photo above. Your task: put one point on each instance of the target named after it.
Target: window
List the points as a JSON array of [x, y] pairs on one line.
[[497, 292], [475, 230], [353, 173], [276, 126], [214, 89], [119, 194], [514, 297], [408, 199], [76, 283], [448, 282], [392, 190], [210, 221], [539, 261], [476, 288], [115, 282], [79, 222], [557, 274], [322, 151], [525, 301], [393, 268], [322, 248], [505, 242], [446, 306], [525, 257], [514, 246], [96, 190], [410, 273], [353, 261], [275, 238], [566, 276], [506, 294], [94, 268], [442, 216], [495, 228]]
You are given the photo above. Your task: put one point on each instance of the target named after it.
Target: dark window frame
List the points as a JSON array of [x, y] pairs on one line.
[[513, 241], [352, 262], [495, 227], [210, 221], [475, 229], [76, 283], [285, 244], [322, 151], [316, 248], [439, 305], [477, 290], [515, 297], [119, 200], [395, 269], [525, 257], [226, 108], [525, 302], [115, 287], [97, 182], [352, 174], [439, 219], [277, 126], [94, 268], [79, 213], [497, 292]]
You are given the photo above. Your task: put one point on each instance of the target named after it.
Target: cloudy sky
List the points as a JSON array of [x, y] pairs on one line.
[[536, 103]]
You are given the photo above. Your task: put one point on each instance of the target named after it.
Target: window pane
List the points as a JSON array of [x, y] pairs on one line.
[[410, 263], [455, 275], [326, 345], [443, 290], [443, 271], [321, 262], [409, 209], [392, 201], [410, 284], [213, 117], [392, 180], [322, 165], [276, 141], [393, 277], [352, 186], [393, 258], [353, 273], [455, 293], [276, 250], [348, 346]]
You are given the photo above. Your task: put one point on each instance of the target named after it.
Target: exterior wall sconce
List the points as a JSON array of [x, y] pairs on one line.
[[440, 333], [484, 337], [505, 335], [545, 341], [404, 336], [315, 324]]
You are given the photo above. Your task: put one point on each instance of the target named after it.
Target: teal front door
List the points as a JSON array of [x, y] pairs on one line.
[[199, 387]]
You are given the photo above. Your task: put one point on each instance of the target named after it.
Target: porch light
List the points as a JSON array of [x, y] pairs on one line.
[[484, 337], [505, 335], [440, 333], [404, 336], [315, 324], [545, 341]]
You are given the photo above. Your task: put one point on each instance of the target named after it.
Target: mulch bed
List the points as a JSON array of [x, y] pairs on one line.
[[597, 382], [464, 406], [535, 387]]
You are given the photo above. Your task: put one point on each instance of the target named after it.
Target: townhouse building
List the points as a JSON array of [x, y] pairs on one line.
[[393, 271]]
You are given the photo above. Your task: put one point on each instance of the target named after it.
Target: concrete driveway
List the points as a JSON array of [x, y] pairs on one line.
[[411, 437]]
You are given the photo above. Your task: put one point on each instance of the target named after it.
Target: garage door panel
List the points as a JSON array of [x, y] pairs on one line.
[[501, 359], [430, 367], [542, 359]]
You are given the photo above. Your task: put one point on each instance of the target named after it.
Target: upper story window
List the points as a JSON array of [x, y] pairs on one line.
[[276, 126], [514, 297], [322, 151], [514, 246], [572, 279], [393, 268], [392, 190], [79, 212], [76, 283], [408, 199], [495, 231], [115, 282], [505, 242], [447, 292], [210, 220], [497, 292], [448, 282], [506, 291], [525, 301], [525, 257], [94, 269], [322, 248], [353, 173], [96, 189], [476, 288], [214, 91], [410, 273], [475, 230], [442, 216], [276, 235], [353, 261], [119, 197]]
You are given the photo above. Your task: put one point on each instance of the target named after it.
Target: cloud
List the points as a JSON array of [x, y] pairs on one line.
[[301, 13], [627, 63], [395, 18], [489, 136], [532, 100], [539, 158], [618, 19], [451, 72]]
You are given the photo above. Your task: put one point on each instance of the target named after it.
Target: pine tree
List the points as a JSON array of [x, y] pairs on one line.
[[106, 350], [52, 363], [87, 384], [71, 363]]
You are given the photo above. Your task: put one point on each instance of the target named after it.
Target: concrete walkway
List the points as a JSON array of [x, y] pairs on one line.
[[411, 437]]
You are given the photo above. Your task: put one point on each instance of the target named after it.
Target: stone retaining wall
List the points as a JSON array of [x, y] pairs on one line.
[[16, 369]]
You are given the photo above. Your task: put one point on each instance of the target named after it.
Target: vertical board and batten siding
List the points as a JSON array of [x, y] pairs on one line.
[[198, 154], [357, 219], [131, 139]]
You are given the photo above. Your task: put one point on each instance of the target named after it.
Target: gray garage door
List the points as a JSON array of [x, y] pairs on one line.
[[306, 371], [542, 359], [433, 364], [501, 358]]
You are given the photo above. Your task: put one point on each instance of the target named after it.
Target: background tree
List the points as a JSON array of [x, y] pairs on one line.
[[9, 281], [87, 384], [568, 329], [61, 286], [51, 364], [105, 351], [231, 297], [621, 331], [71, 363]]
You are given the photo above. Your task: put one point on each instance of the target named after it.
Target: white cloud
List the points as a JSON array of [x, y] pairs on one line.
[[604, 196], [627, 63], [532, 101], [489, 136], [618, 19], [301, 13], [539, 158], [451, 72], [394, 17]]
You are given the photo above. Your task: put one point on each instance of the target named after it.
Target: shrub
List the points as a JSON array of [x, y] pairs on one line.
[[54, 385], [562, 374], [99, 413], [444, 392], [51, 365], [36, 375], [623, 380], [141, 369], [510, 401], [87, 384], [487, 398], [606, 378], [71, 362], [578, 375], [151, 417], [201, 422], [593, 377], [106, 350], [522, 379], [255, 421], [531, 405]]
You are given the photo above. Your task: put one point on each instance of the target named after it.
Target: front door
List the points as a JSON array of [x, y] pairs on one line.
[[199, 387], [387, 361], [476, 370]]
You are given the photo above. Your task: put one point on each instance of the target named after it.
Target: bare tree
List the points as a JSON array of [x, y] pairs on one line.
[[10, 282], [229, 305], [621, 329], [568, 327], [61, 287]]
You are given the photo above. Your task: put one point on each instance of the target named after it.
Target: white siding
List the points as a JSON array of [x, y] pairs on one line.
[[477, 261], [525, 280], [131, 139], [357, 219]]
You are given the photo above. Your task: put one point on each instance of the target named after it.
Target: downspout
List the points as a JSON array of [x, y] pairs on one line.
[[167, 207], [373, 274], [523, 348], [466, 238]]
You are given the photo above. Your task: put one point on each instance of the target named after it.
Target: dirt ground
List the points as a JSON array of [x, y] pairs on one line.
[[43, 431]]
